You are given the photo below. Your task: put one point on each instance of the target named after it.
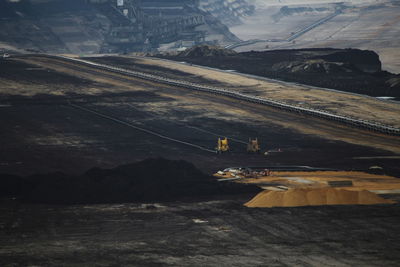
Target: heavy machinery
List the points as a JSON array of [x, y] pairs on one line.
[[253, 146], [222, 145]]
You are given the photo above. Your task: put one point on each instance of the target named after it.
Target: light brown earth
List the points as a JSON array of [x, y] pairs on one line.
[[314, 188], [304, 188], [361, 181], [314, 197], [363, 107]]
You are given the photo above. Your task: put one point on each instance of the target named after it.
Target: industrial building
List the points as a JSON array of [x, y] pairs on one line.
[[110, 26]]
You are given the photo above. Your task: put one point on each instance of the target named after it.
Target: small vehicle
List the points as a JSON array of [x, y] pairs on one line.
[[222, 145]]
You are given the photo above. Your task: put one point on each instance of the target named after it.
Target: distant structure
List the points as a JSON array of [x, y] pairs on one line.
[[167, 21], [142, 25], [126, 31], [229, 12], [115, 26]]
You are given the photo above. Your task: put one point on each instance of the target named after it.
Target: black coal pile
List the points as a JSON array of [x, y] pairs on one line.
[[148, 180], [351, 70]]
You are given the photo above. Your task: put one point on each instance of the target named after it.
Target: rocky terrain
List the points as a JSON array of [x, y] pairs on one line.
[[350, 70]]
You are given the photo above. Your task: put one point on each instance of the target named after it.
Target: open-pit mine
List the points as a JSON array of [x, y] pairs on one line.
[[63, 116], [144, 133]]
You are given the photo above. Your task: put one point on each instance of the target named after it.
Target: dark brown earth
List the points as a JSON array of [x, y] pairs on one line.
[[44, 133], [214, 233], [168, 180], [350, 70], [58, 132]]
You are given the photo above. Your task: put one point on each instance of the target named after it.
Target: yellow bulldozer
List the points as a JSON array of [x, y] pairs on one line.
[[222, 145], [253, 146]]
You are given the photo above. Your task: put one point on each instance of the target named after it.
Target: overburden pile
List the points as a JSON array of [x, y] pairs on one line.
[[206, 51], [148, 180], [352, 70], [314, 197]]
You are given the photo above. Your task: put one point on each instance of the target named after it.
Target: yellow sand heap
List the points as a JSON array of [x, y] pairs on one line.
[[349, 180], [314, 197]]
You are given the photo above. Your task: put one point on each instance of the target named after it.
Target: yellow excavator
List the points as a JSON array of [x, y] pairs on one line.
[[253, 146], [222, 145]]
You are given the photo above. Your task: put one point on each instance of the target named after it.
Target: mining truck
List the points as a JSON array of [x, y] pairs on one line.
[[222, 145]]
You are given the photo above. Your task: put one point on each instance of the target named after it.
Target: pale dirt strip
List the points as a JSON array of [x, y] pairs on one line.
[[340, 103], [316, 112], [244, 112]]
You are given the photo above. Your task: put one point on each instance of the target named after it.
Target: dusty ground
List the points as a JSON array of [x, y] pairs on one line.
[[214, 233], [381, 184], [363, 107], [44, 133]]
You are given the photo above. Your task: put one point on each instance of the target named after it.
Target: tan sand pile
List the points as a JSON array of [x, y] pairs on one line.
[[314, 197]]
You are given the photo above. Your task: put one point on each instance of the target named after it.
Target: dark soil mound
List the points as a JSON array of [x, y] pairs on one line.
[[11, 185], [364, 60], [314, 66], [351, 70], [394, 82], [206, 51], [148, 180]]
